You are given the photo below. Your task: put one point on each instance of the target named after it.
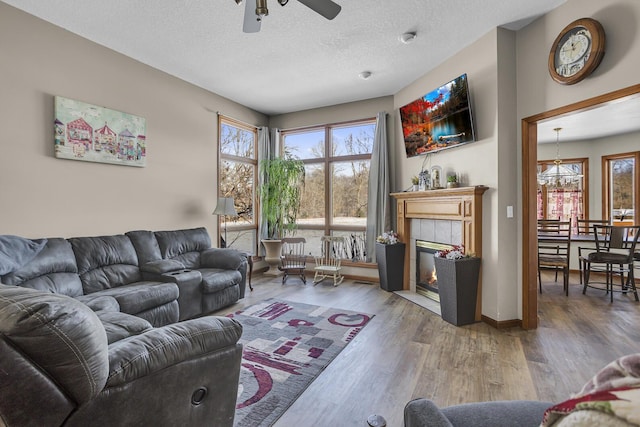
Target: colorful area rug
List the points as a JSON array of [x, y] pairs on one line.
[[286, 346]]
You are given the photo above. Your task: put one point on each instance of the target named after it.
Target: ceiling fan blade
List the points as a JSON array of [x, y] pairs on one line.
[[251, 22], [326, 8]]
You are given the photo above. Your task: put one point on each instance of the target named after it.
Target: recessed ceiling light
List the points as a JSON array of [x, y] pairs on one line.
[[365, 75], [407, 38]]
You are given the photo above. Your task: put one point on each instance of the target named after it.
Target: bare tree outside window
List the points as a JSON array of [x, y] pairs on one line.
[[237, 179], [337, 160]]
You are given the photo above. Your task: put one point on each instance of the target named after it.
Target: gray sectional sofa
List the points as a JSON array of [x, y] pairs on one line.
[[113, 330], [162, 276]]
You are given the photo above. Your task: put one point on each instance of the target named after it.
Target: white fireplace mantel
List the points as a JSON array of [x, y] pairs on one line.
[[462, 204]]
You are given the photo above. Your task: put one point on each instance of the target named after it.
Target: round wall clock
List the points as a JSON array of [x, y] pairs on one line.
[[577, 51]]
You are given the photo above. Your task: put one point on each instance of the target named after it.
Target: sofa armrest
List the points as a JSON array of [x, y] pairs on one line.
[[225, 258], [159, 348], [161, 266], [424, 413]]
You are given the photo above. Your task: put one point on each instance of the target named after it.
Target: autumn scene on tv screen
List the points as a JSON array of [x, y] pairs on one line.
[[440, 119]]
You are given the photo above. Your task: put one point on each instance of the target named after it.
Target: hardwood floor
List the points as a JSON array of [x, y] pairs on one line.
[[406, 352]]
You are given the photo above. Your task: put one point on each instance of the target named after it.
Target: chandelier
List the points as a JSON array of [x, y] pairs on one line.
[[559, 176]]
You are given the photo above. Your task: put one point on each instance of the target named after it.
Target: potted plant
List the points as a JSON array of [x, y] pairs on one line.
[[452, 181], [390, 259], [415, 181], [458, 275], [280, 195]]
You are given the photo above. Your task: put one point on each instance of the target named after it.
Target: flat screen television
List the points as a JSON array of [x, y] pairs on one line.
[[439, 120]]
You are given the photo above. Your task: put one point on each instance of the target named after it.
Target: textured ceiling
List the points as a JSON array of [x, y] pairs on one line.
[[299, 60]]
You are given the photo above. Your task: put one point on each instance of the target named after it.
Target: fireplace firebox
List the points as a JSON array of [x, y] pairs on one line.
[[426, 275]]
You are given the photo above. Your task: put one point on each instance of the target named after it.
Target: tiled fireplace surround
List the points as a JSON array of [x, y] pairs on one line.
[[431, 230], [452, 216]]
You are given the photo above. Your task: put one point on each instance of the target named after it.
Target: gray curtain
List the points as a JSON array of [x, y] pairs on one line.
[[379, 204], [266, 150]]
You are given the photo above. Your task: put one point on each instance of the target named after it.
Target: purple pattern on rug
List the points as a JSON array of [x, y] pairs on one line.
[[264, 382], [286, 346], [266, 359]]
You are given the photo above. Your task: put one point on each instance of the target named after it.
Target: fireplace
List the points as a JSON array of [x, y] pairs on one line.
[[426, 276]]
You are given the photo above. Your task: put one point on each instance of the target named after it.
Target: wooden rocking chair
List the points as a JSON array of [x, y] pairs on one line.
[[328, 264], [292, 258]]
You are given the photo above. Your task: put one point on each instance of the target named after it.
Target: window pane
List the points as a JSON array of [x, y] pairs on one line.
[[354, 245], [305, 145], [243, 240], [236, 141], [312, 246], [349, 189], [236, 180], [351, 140], [622, 185], [313, 204]]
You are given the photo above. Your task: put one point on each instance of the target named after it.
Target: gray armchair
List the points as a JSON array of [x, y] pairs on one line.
[[61, 363], [521, 413]]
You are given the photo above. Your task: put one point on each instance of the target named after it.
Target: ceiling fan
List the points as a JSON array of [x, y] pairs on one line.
[[255, 10]]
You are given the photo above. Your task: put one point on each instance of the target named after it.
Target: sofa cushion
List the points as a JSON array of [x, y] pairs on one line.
[[59, 334], [184, 245], [98, 302], [53, 269], [145, 244], [141, 296], [121, 325], [105, 262], [16, 251], [215, 279]]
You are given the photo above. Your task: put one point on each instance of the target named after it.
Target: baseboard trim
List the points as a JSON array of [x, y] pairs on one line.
[[502, 324]]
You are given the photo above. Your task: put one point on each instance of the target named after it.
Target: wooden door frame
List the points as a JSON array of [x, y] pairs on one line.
[[529, 188]]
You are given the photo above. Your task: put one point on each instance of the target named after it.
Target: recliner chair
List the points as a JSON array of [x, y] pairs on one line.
[[61, 363]]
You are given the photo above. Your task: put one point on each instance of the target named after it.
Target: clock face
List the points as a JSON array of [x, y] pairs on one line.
[[573, 52], [577, 51]]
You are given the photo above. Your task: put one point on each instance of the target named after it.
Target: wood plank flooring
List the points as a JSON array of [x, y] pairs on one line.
[[406, 352]]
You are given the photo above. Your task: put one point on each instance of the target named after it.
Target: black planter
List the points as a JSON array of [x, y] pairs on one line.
[[458, 289], [390, 260]]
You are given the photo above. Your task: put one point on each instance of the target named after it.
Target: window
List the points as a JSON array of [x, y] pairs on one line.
[[337, 159], [237, 178], [620, 188], [568, 203]]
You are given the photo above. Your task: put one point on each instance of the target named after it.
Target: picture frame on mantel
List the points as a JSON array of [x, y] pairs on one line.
[[91, 133]]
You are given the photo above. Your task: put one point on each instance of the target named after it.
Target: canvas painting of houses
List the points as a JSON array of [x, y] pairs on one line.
[[97, 134]]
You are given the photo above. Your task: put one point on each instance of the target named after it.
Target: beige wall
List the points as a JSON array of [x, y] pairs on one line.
[[491, 76], [44, 196]]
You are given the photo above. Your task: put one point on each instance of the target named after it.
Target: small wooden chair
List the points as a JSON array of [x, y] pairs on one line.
[[328, 264], [292, 258]]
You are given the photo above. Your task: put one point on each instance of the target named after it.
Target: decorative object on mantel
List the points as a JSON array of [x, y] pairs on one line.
[[452, 181], [436, 176], [390, 259], [414, 183], [97, 134], [457, 285], [559, 176], [424, 182]]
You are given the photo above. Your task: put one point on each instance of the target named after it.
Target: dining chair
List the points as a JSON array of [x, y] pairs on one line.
[[615, 254], [292, 258], [585, 228], [554, 249]]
